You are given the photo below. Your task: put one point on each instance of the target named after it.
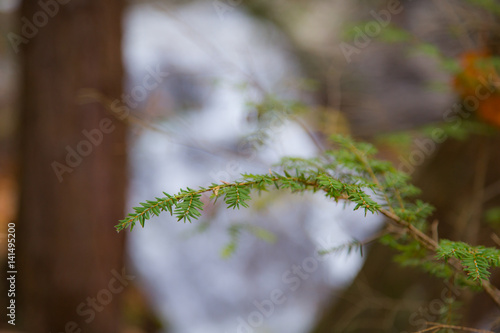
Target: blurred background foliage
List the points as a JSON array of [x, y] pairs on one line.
[[390, 72]]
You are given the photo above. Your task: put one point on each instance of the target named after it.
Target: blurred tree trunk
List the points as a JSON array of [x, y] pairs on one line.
[[461, 180], [72, 169]]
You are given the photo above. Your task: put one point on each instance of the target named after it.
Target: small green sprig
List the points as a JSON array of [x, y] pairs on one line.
[[353, 174], [234, 232], [187, 204], [476, 260]]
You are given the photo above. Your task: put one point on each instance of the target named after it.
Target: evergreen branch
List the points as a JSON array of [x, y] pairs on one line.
[[418, 235], [188, 207], [454, 261], [236, 196], [187, 204], [361, 154], [352, 172], [347, 247], [475, 260], [352, 245]]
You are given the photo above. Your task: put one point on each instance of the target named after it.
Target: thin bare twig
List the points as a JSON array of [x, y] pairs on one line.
[[437, 326]]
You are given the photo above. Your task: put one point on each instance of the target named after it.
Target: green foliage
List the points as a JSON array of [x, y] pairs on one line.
[[392, 34], [476, 260], [236, 195], [493, 216], [187, 207], [462, 132], [350, 173], [347, 247], [490, 5], [449, 313], [187, 203], [234, 232]]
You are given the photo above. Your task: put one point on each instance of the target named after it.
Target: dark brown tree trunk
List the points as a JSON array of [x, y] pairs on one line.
[[73, 168]]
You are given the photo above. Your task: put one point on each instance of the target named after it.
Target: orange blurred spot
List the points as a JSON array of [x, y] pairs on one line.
[[467, 80], [478, 72], [489, 110]]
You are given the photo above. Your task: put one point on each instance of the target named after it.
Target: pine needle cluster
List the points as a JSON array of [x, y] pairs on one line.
[[350, 173]]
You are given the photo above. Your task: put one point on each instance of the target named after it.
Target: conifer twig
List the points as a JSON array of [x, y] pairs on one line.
[[465, 260]]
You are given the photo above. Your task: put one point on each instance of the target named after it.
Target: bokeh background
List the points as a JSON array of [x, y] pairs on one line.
[[107, 104]]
